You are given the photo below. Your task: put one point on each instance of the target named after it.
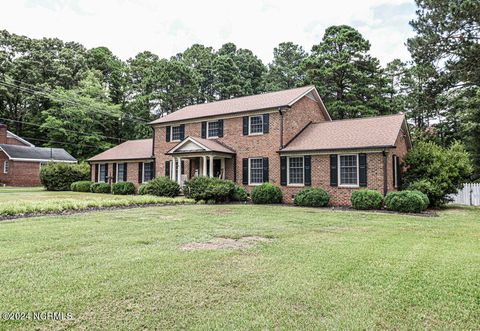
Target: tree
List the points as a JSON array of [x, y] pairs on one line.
[[349, 80], [227, 79], [285, 72]]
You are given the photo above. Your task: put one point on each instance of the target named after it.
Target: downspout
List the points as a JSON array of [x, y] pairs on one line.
[[385, 184], [281, 126]]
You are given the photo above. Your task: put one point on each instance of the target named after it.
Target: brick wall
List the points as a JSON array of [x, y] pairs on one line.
[[13, 141], [20, 173]]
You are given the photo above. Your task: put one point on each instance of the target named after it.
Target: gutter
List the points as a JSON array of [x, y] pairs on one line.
[[335, 149]]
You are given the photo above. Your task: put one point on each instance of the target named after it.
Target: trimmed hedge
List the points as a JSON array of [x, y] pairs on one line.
[[60, 176], [160, 186], [239, 194], [266, 193], [366, 199], [100, 188], [123, 188], [406, 201], [81, 186], [210, 189], [311, 197]]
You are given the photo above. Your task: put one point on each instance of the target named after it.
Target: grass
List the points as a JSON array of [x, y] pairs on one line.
[[320, 270], [15, 201]]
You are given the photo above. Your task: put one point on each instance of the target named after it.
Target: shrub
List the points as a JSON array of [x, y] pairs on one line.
[[123, 188], [311, 197], [406, 201], [60, 176], [81, 186], [366, 199], [239, 194], [266, 193], [160, 186], [100, 188], [209, 189]]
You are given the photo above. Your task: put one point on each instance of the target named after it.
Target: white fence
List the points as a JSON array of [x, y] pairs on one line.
[[469, 195]]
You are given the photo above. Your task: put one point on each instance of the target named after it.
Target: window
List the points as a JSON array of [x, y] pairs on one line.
[[256, 171], [256, 124], [102, 172], [295, 170], [147, 171], [212, 129], [6, 167], [120, 172], [176, 133], [348, 170]]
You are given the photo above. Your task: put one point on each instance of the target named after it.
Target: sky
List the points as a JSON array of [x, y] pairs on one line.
[[166, 28]]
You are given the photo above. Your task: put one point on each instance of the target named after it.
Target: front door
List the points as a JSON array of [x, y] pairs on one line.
[[217, 167]]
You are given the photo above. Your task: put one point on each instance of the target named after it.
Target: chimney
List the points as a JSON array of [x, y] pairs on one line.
[[3, 133]]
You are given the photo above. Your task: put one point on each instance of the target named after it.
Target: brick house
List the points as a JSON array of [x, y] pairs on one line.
[[20, 160], [285, 137]]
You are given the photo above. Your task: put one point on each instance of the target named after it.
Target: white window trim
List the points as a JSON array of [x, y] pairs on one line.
[[395, 171], [118, 181], [99, 173], [288, 172], [171, 133], [250, 133], [338, 170], [6, 167], [250, 167], [208, 136]]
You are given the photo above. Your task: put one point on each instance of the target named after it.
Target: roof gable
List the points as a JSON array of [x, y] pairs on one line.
[[20, 139], [195, 145]]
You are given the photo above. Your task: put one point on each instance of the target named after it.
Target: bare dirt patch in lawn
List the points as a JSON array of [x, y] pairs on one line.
[[225, 243]]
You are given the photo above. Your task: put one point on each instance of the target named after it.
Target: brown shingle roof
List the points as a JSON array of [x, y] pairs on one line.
[[129, 150], [238, 105], [210, 144], [380, 131]]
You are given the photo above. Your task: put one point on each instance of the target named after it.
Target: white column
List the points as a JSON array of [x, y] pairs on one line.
[[174, 177], [179, 160], [211, 166], [223, 168], [204, 166]]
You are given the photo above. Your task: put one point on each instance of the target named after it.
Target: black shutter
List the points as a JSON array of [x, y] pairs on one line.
[[106, 173], [153, 172], [245, 125], [245, 171], [220, 128], [333, 170], [96, 173], [167, 169], [362, 169], [265, 170], [283, 170], [204, 130], [307, 159], [399, 174], [168, 129], [140, 172], [394, 173], [125, 172], [114, 173], [266, 124], [182, 131]]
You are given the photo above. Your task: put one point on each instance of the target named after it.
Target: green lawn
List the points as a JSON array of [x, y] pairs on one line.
[[320, 270]]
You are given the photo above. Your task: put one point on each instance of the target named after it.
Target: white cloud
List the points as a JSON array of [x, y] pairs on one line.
[[166, 28]]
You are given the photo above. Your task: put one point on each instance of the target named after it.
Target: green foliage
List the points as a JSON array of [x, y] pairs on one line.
[[311, 197], [209, 188], [437, 171], [266, 193], [60, 176], [406, 201], [239, 194], [285, 71], [123, 188], [366, 199], [100, 188], [160, 186], [81, 186]]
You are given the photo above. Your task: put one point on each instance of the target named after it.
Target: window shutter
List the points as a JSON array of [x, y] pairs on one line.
[[167, 134], [266, 124], [153, 170], [362, 169], [106, 173], [245, 125], [265, 170], [96, 172], [307, 159], [394, 173], [167, 169], [204, 130], [333, 170], [114, 172], [182, 131], [245, 171], [125, 172], [399, 174], [220, 128], [283, 170], [140, 172]]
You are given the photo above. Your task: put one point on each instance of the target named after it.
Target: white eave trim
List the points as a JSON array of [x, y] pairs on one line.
[[14, 136], [40, 160], [188, 139]]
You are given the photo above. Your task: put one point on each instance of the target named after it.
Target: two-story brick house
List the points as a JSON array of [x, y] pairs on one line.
[[285, 137]]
